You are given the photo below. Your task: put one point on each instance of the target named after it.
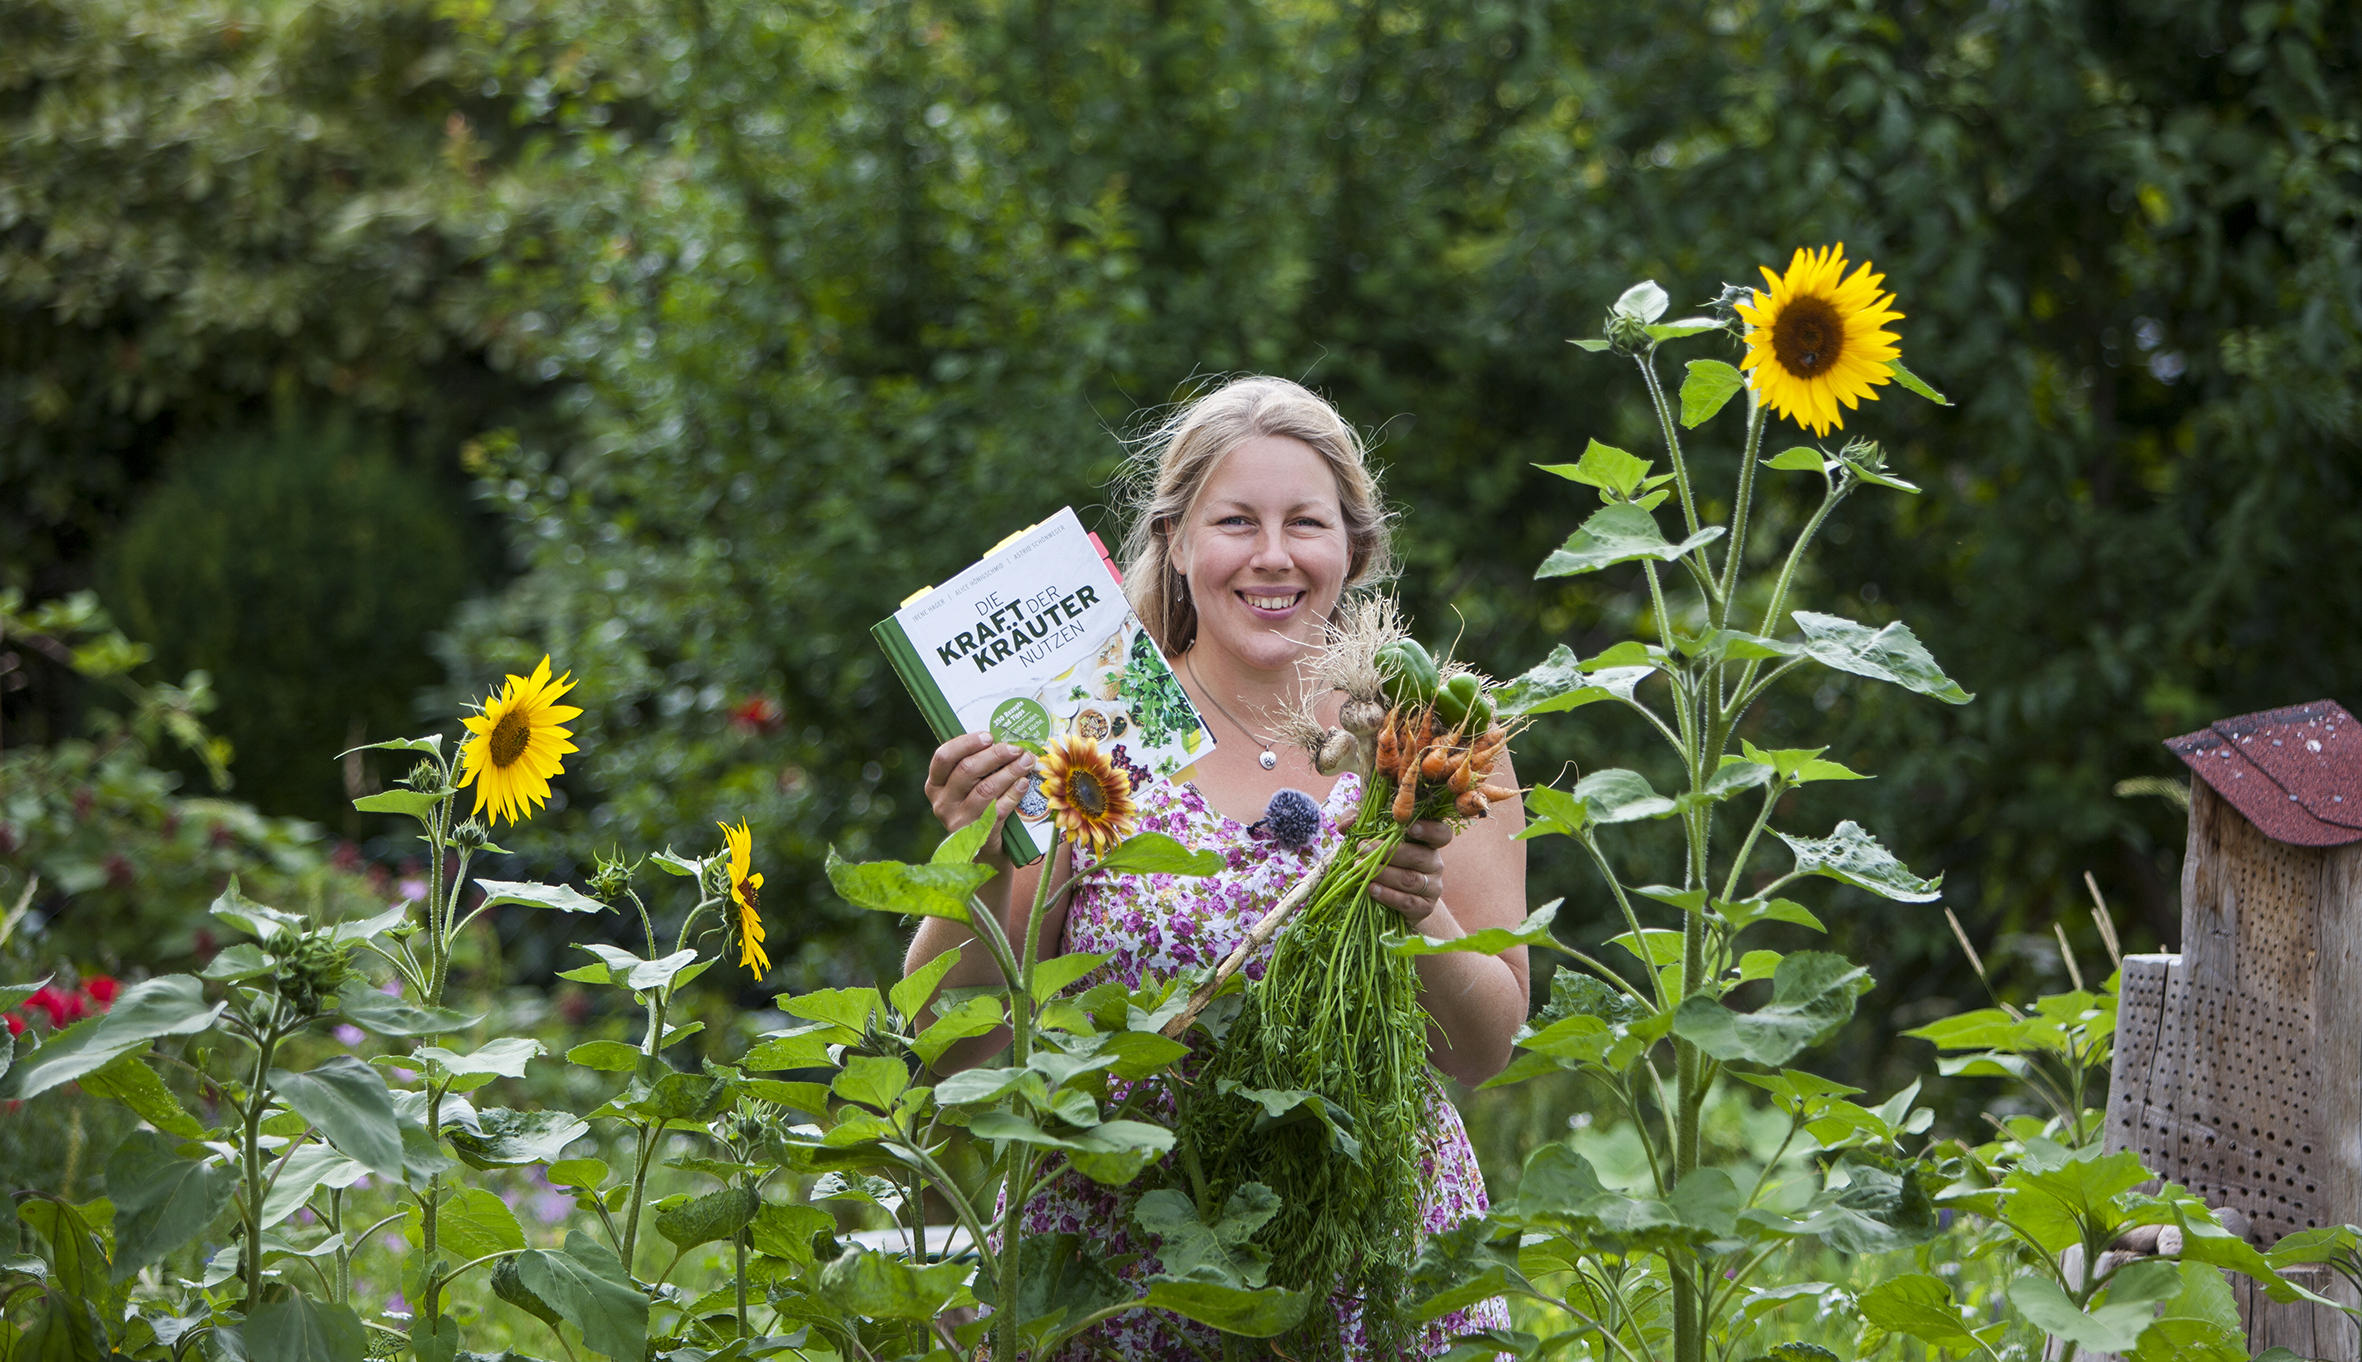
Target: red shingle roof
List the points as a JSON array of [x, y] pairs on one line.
[[2295, 772]]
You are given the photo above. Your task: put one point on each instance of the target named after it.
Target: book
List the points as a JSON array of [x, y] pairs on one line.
[[1036, 641]]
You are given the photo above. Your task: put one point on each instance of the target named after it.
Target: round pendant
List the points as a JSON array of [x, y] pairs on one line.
[[1269, 759]]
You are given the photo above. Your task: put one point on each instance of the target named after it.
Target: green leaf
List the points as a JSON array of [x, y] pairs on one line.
[[1061, 1280], [1615, 534], [1813, 994], [961, 847], [418, 805], [1290, 1106], [1619, 796], [608, 1056], [803, 1048], [2056, 1194], [577, 1173], [787, 1231], [590, 1288], [1594, 346], [1709, 385], [254, 919], [706, 1219], [893, 887], [1266, 1313], [1747, 912], [129, 1080], [363, 929], [1915, 384], [1555, 683], [972, 1017], [470, 1222], [1055, 975], [1687, 326], [501, 1138], [876, 1286], [1800, 459], [2110, 1328], [621, 967], [531, 895], [1892, 653], [244, 960], [846, 1008], [77, 1260], [1111, 1154], [347, 1100], [503, 1058], [432, 744], [307, 1170], [671, 864], [873, 1081], [1605, 467], [1534, 931], [1643, 302], [1225, 1251], [162, 1201], [301, 1329], [1853, 856], [1920, 1306], [1153, 853], [170, 1005], [1800, 765], [386, 1015], [919, 985]]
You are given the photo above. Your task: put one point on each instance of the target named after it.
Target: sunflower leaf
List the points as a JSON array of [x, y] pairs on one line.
[[1605, 467], [1594, 346], [1644, 301], [558, 896], [1892, 653], [432, 743], [1687, 326], [1916, 384], [1709, 385], [1801, 459], [418, 805], [1619, 534]]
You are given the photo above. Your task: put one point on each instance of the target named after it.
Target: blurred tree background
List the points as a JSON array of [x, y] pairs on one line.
[[742, 321]]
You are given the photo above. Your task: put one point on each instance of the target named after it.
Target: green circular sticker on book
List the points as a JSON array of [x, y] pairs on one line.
[[1021, 721]]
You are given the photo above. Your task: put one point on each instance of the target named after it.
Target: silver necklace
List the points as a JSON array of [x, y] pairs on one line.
[[1269, 759]]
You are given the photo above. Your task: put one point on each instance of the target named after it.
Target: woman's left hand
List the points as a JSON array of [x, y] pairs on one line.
[[1412, 882]]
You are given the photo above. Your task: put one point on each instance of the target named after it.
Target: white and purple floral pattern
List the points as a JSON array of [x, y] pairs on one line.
[[1154, 926]]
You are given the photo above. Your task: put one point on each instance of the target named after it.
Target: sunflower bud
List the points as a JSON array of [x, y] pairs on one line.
[[1626, 333], [470, 835], [611, 878], [426, 778], [312, 966]]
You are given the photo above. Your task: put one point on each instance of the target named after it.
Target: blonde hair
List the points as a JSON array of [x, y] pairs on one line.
[[1172, 467]]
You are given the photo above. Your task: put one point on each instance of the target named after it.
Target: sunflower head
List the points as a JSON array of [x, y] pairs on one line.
[[515, 744], [743, 884], [1815, 340], [1089, 796]]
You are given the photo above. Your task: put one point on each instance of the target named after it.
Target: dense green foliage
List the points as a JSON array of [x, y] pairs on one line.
[[312, 523], [838, 295]]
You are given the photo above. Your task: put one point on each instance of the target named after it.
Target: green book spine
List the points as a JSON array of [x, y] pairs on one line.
[[1016, 838]]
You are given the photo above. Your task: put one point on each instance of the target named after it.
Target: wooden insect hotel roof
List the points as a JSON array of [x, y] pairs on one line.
[[2296, 772]]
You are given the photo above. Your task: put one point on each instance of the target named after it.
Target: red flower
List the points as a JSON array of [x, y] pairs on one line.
[[59, 1007], [758, 713], [102, 990], [16, 1024], [119, 872]]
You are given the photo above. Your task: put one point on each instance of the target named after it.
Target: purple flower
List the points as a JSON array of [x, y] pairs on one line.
[[349, 1035], [411, 889]]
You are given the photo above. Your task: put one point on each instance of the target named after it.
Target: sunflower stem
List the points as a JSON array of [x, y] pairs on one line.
[[1647, 359], [1740, 509]]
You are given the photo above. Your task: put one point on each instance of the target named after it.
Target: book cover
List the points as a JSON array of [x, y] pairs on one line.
[[1036, 641]]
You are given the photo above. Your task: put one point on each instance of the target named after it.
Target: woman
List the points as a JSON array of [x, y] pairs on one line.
[[1260, 514]]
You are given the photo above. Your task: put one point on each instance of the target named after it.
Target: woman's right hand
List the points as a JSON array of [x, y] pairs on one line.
[[972, 776]]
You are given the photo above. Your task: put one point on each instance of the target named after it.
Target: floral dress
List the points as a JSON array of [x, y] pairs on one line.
[[1154, 926]]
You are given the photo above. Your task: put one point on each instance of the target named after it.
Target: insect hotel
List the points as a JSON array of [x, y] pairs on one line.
[[2238, 1062]]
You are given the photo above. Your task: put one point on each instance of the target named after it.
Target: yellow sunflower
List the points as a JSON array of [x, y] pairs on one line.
[[742, 892], [517, 744], [1814, 341], [1090, 798]]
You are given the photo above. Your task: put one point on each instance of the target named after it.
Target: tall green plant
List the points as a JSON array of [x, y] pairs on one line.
[[1668, 1266]]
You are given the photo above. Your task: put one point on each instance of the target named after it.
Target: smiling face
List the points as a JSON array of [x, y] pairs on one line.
[[1266, 551]]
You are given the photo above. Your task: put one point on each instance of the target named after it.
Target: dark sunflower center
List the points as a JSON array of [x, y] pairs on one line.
[[747, 892], [1087, 793], [508, 739], [1808, 337]]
